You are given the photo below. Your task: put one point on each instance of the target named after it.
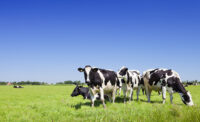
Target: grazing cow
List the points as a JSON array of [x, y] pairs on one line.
[[84, 91], [189, 83], [17, 86], [130, 80], [165, 80], [100, 81]]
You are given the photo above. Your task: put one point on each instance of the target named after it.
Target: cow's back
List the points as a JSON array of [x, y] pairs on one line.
[[109, 76]]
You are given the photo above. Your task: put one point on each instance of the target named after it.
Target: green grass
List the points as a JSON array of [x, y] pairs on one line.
[[54, 103]]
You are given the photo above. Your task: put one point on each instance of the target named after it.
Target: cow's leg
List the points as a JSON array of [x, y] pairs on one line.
[[113, 95], [159, 93], [138, 92], [120, 91], [143, 91], [148, 93], [164, 93], [125, 93], [131, 95], [109, 97], [93, 98], [102, 97], [171, 98]]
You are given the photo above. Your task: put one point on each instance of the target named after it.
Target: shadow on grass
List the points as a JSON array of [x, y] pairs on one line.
[[150, 102], [79, 105], [117, 100], [97, 103]]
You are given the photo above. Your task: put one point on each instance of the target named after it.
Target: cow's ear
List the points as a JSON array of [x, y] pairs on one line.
[[81, 69], [95, 69]]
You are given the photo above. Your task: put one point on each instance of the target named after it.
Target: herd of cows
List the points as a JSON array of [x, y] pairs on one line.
[[104, 83]]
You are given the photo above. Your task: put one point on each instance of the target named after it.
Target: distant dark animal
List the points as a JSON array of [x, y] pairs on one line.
[[165, 80], [100, 81], [17, 86], [188, 83]]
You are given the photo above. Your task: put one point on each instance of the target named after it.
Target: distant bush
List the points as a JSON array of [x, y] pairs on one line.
[[24, 83], [69, 82], [194, 82], [3, 83]]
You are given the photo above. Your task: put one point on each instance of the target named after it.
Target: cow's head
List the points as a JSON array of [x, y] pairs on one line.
[[123, 74], [76, 91], [187, 99], [88, 73]]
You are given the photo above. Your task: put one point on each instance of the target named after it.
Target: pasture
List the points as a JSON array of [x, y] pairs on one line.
[[54, 103]]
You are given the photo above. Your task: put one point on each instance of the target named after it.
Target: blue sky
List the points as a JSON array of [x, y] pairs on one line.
[[47, 41]]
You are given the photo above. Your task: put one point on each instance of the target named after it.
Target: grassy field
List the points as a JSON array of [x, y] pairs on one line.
[[54, 103]]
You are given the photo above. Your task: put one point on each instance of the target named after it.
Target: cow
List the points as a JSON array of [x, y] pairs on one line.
[[84, 91], [130, 80], [165, 80], [17, 86], [80, 90], [100, 81]]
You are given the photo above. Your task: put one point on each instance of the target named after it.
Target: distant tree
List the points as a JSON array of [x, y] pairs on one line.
[[59, 83], [77, 82], [3, 83], [68, 82]]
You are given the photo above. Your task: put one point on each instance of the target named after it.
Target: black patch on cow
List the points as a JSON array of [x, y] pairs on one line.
[[164, 83], [177, 86], [157, 75], [141, 81], [109, 76], [118, 83], [152, 71], [129, 79], [186, 98], [123, 71], [154, 79], [95, 79], [169, 72], [123, 81]]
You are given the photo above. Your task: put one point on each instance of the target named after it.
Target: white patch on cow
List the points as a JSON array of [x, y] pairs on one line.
[[108, 88], [87, 70], [191, 102], [101, 76], [188, 103]]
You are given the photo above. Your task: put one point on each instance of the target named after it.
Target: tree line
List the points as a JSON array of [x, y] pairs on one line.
[[71, 82], [39, 83]]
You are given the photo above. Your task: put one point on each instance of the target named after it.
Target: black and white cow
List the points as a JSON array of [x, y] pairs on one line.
[[130, 80], [84, 91], [165, 80], [17, 86], [100, 81], [80, 90]]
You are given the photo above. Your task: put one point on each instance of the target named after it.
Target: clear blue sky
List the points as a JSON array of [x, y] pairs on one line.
[[46, 40]]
